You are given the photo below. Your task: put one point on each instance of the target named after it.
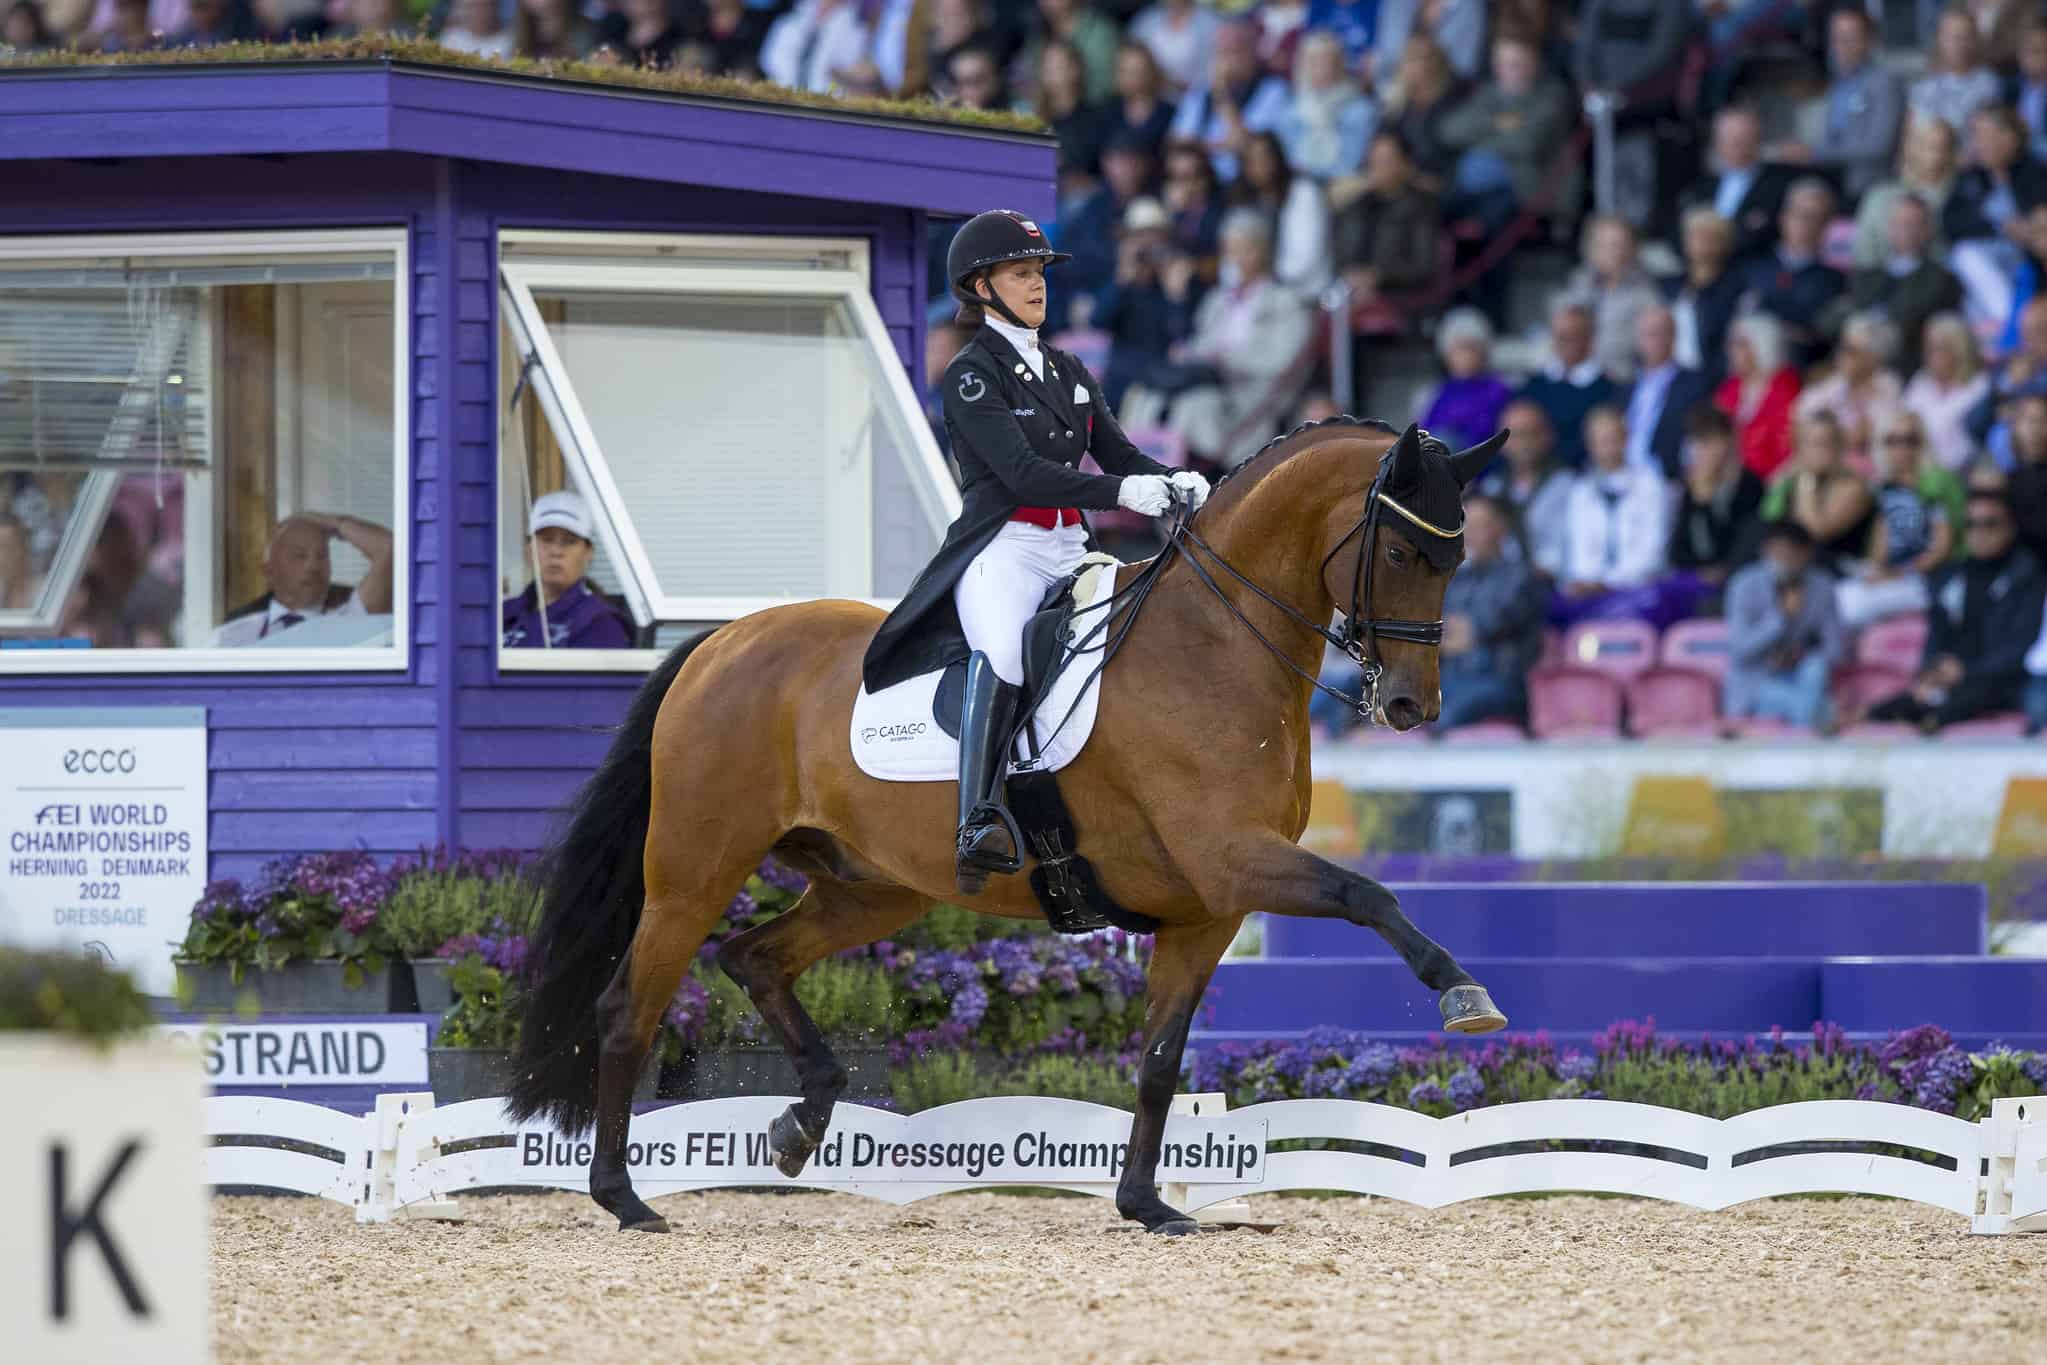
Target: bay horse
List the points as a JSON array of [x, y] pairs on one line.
[[1188, 797]]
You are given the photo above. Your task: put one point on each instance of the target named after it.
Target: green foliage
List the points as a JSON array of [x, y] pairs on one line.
[[486, 1009], [69, 993], [424, 52], [944, 1077], [434, 902], [849, 999]]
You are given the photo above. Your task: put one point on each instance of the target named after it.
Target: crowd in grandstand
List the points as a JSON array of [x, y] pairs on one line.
[[1794, 379]]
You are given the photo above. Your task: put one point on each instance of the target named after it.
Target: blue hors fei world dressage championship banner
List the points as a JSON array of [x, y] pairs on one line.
[[103, 831]]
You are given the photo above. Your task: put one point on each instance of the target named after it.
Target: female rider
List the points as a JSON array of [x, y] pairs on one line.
[[1021, 414]]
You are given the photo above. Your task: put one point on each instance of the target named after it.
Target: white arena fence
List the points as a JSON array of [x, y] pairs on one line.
[[408, 1157]]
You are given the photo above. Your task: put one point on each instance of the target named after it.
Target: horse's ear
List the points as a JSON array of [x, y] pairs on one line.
[[1406, 455], [1467, 465]]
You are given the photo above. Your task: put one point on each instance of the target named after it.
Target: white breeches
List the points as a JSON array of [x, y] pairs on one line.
[[1004, 584]]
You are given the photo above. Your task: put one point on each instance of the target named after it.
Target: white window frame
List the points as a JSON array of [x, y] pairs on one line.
[[531, 260], [200, 513]]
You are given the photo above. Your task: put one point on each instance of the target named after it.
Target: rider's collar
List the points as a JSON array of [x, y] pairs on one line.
[[1024, 339]]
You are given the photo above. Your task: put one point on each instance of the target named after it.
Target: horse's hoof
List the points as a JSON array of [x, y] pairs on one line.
[[1179, 1227], [656, 1223], [789, 1144], [1468, 1009]]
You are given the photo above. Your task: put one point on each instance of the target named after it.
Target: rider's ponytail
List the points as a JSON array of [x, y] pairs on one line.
[[973, 309]]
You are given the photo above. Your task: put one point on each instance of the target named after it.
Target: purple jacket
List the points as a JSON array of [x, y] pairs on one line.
[[578, 619], [1466, 411]]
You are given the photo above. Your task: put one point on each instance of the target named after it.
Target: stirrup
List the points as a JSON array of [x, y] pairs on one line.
[[987, 818]]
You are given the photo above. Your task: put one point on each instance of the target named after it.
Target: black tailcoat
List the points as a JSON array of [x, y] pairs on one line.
[[1017, 440]]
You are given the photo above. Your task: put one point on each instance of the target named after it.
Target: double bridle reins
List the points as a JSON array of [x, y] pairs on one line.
[[1361, 632]]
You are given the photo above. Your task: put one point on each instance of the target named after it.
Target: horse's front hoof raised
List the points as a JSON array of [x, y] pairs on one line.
[[1468, 1009], [789, 1144]]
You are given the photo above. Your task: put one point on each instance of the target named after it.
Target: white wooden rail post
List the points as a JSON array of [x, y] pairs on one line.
[[2011, 1185], [1178, 1192]]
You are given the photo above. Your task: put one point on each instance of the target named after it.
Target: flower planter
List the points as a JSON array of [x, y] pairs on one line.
[[428, 984], [295, 988], [765, 1069], [455, 1074]]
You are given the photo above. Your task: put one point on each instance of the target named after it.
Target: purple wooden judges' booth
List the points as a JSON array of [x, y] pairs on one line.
[[261, 324]]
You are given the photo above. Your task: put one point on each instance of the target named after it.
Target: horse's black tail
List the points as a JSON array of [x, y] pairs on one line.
[[593, 882]]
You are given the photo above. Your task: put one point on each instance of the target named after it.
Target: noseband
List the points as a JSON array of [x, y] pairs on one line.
[[1361, 632]]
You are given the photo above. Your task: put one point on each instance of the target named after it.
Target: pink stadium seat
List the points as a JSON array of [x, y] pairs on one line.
[[1888, 731], [1552, 649], [1763, 727], [1867, 684], [1674, 703], [1895, 644], [1090, 347], [1486, 732], [1573, 703], [1698, 645], [1619, 649], [2004, 725]]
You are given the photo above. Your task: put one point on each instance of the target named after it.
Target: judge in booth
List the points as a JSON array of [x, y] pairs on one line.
[[560, 609]]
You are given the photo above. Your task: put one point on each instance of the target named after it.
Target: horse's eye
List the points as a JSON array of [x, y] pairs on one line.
[[1396, 556]]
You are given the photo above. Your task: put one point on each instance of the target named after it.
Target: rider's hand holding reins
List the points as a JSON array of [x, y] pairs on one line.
[[1148, 495], [1192, 486]]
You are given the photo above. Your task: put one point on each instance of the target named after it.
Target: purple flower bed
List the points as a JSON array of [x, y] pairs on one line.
[[1629, 1061], [316, 906]]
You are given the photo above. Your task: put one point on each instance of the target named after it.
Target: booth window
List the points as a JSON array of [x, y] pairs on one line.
[[733, 420], [200, 440]]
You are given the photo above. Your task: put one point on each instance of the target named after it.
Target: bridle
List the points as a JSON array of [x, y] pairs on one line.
[[1361, 632]]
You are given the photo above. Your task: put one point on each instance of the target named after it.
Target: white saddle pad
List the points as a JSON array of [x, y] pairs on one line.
[[896, 739]]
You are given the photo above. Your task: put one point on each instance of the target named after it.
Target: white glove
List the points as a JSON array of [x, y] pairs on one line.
[[1191, 484], [1148, 495]]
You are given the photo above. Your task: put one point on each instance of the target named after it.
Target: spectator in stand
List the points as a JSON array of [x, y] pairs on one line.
[[1142, 322], [1424, 92], [1237, 100], [1354, 22], [731, 36], [1140, 109], [555, 30], [1089, 233], [2028, 90], [1865, 106], [1759, 392], [560, 609], [25, 31], [1719, 512], [1927, 165], [1821, 493], [1249, 331], [1660, 403], [1948, 386], [387, 17], [1613, 285], [1983, 215], [1744, 189], [1093, 37], [1783, 636], [1792, 283], [1617, 534], [1917, 504], [299, 573], [644, 33], [2000, 23], [973, 79], [1180, 35], [1633, 48], [474, 27], [1457, 26], [1571, 383], [2025, 370], [1330, 121], [1466, 408], [1958, 82], [1861, 391], [2027, 483], [1195, 200], [1513, 141], [1704, 300], [1295, 210], [1910, 286], [130, 30], [1060, 99], [1492, 623], [1981, 623], [1535, 486], [208, 23], [955, 26], [1388, 228]]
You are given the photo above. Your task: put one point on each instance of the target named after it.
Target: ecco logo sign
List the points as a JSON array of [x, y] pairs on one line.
[[99, 760]]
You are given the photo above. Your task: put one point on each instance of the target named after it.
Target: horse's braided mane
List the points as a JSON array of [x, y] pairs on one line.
[[1276, 451]]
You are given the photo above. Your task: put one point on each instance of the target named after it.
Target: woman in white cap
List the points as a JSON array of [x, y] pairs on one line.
[[559, 609]]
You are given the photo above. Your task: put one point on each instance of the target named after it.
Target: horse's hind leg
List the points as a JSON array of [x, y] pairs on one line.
[[765, 961]]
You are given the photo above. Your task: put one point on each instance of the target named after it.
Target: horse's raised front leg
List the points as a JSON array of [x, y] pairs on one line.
[[1283, 879], [766, 961], [1183, 958]]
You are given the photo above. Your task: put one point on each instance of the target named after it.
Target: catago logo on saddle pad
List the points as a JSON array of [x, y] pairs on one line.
[[895, 734]]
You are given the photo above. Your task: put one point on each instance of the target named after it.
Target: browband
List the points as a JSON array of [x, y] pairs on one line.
[[1428, 526]]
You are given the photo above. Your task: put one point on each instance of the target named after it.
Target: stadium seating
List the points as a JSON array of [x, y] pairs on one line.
[[1697, 645], [1619, 649], [1574, 703], [1674, 703], [1895, 644]]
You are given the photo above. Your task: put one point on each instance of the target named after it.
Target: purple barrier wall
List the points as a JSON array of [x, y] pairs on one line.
[[1666, 919]]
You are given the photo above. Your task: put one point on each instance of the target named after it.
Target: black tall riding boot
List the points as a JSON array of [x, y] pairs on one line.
[[987, 837]]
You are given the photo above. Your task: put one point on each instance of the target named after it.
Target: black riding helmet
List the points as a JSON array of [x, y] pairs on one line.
[[987, 240]]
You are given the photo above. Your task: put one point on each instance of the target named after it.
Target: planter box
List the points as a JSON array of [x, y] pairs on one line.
[[767, 1070], [427, 981], [456, 1074], [295, 988]]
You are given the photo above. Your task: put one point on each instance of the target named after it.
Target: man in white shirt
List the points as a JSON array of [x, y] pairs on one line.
[[300, 573], [1744, 189], [1617, 529], [1663, 393]]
